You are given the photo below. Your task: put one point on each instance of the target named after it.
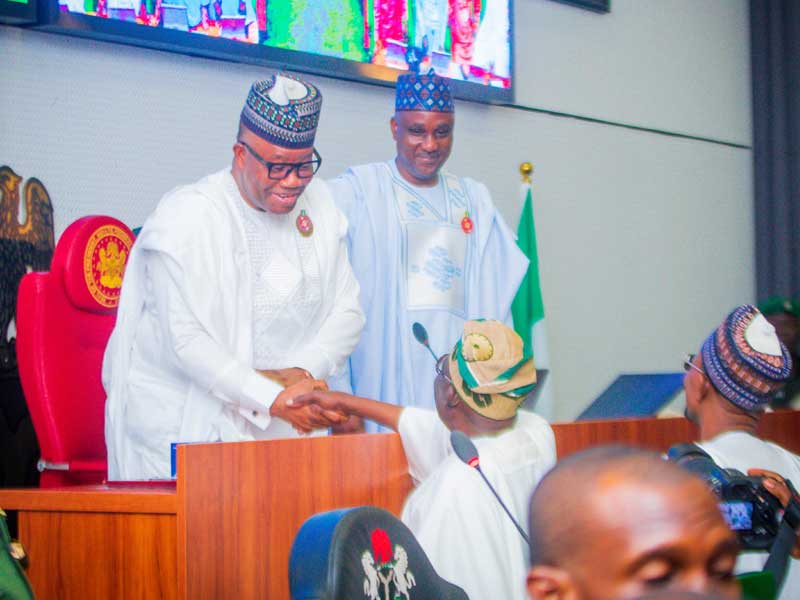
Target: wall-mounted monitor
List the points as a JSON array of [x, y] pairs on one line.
[[18, 12], [468, 41]]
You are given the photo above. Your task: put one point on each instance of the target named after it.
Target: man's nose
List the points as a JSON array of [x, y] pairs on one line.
[[429, 143]]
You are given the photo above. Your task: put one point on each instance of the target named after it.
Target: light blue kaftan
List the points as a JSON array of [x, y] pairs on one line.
[[414, 262]]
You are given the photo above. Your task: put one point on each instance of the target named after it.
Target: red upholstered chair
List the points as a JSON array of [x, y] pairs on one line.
[[64, 319]]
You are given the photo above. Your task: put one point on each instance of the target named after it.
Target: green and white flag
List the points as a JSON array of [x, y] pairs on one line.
[[528, 306]]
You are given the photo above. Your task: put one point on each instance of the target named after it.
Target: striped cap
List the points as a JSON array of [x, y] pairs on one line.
[[744, 359], [490, 371], [284, 110]]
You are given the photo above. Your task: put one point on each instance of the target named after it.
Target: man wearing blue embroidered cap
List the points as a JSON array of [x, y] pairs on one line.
[[425, 246], [237, 297], [741, 365]]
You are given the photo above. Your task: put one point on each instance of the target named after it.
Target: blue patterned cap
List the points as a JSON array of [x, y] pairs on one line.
[[423, 92], [744, 359], [284, 110]]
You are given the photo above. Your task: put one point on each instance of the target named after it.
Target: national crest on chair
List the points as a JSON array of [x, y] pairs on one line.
[[64, 320]]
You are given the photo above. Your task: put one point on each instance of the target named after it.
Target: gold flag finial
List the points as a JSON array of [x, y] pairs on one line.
[[526, 170]]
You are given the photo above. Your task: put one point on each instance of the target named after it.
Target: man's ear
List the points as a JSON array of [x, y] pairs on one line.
[[550, 583], [238, 154], [704, 388], [393, 127]]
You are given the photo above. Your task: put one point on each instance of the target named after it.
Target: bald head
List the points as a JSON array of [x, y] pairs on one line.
[[617, 522], [571, 488]]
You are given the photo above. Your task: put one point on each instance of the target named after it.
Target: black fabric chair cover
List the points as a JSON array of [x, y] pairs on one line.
[[362, 553]]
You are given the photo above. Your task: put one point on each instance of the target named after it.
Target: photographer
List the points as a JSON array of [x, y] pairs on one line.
[[741, 365]]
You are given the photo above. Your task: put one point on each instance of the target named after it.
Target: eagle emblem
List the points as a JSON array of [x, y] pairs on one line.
[[104, 263], [387, 576], [26, 244]]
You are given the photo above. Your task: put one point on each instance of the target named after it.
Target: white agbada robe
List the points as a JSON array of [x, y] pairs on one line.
[[414, 262], [214, 290], [741, 451], [467, 536]]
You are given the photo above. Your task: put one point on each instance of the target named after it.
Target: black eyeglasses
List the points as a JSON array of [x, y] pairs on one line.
[[278, 171], [440, 368], [688, 364]]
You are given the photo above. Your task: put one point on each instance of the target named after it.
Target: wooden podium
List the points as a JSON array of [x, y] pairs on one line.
[[224, 530]]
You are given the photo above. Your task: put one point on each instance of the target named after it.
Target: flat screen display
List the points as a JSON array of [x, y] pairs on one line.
[[738, 515], [468, 41], [17, 12]]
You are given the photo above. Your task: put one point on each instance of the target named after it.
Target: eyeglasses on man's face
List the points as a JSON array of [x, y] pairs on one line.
[[688, 364], [440, 366], [277, 171]]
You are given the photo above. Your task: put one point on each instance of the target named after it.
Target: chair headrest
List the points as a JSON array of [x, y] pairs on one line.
[[347, 553], [90, 257]]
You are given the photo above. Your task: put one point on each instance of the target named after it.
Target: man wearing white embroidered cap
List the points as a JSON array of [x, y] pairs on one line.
[[238, 296], [741, 365]]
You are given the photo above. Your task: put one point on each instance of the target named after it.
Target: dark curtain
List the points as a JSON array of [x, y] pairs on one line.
[[775, 51]]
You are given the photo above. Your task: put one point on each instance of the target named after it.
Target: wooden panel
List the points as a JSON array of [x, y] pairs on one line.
[[159, 499], [658, 434], [782, 427], [75, 556], [245, 502]]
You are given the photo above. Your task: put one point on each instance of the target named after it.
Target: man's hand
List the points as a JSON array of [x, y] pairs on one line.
[[776, 485], [321, 401], [353, 424], [287, 377], [304, 419]]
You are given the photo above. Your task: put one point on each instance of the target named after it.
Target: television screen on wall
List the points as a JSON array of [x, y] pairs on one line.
[[468, 41], [17, 12]]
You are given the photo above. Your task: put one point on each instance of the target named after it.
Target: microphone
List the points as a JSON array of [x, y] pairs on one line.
[[421, 335], [468, 453]]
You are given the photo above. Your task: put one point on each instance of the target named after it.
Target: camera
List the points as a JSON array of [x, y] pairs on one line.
[[750, 510]]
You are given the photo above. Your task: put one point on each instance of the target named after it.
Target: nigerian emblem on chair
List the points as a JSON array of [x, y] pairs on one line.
[[387, 573], [104, 263]]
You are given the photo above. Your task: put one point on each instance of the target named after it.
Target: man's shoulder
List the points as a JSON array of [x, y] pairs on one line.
[[185, 212], [199, 196], [742, 451]]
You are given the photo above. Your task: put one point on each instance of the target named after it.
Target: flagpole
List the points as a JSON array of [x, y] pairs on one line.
[[536, 330]]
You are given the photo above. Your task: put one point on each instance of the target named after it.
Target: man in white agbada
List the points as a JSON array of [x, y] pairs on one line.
[[425, 246], [741, 366], [237, 287], [479, 387]]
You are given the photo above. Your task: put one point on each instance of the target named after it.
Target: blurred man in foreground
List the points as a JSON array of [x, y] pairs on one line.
[[615, 522]]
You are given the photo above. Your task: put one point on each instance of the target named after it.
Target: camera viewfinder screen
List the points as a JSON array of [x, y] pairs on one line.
[[739, 515]]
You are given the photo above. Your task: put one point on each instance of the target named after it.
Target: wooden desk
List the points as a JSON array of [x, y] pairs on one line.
[[99, 541], [226, 528]]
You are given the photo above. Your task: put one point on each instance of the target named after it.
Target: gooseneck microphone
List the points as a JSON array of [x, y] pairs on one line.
[[421, 335], [468, 453]]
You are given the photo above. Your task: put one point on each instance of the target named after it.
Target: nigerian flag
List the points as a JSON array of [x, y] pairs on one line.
[[528, 308]]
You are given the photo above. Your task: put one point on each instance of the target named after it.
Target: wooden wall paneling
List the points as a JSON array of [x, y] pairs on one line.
[[79, 555], [782, 427]]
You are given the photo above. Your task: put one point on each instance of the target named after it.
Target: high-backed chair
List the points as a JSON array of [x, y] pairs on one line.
[[64, 320], [363, 552]]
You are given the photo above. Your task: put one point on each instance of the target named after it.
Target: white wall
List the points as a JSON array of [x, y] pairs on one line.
[[645, 240]]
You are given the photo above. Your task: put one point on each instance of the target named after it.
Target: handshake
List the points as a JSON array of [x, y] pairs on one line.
[[304, 418]]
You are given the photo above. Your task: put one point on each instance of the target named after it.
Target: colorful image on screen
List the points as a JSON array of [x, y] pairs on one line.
[[465, 40]]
